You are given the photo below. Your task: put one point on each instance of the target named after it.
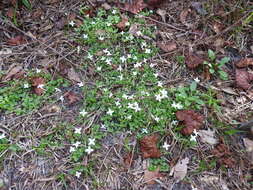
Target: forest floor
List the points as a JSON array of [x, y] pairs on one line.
[[109, 95]]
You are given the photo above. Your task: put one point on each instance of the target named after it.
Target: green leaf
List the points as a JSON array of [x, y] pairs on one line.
[[27, 4], [232, 131], [223, 75], [223, 61], [211, 54], [211, 71], [193, 86]]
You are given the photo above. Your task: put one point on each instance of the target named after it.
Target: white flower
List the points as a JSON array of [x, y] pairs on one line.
[[76, 144], [129, 117], [80, 84], [144, 60], [152, 65], [108, 61], [26, 85], [83, 113], [138, 33], [144, 130], [134, 106], [2, 136], [89, 150], [148, 51], [93, 22], [78, 174], [110, 112], [158, 97], [135, 57], [156, 75], [72, 149], [117, 103], [38, 70], [135, 73], [122, 33], [164, 93], [166, 146], [125, 96], [129, 56], [114, 12], [41, 86], [110, 95], [103, 126], [123, 59], [157, 119], [121, 77], [107, 52], [99, 68], [127, 23], [174, 122], [143, 44], [89, 56], [72, 23], [78, 130], [177, 105], [194, 135], [119, 68], [137, 65], [61, 98], [57, 90], [160, 84], [101, 38], [91, 142], [197, 80], [108, 24], [85, 36]]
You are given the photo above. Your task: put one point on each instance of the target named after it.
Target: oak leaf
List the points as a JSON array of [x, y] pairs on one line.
[[37, 84], [243, 78], [244, 62], [191, 120], [192, 61], [122, 24], [148, 146], [72, 97], [179, 171], [14, 72], [167, 47]]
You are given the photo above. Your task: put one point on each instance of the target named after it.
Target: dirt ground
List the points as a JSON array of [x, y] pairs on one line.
[[40, 37]]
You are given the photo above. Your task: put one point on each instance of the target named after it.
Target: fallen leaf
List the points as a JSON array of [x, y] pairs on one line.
[[37, 84], [13, 73], [10, 13], [18, 40], [248, 144], [73, 75], [190, 119], [135, 7], [224, 155], [192, 61], [122, 24], [217, 27], [207, 136], [106, 6], [179, 171], [244, 62], [183, 15], [133, 29], [167, 47], [71, 97], [151, 176], [128, 159], [148, 146], [162, 13], [243, 78]]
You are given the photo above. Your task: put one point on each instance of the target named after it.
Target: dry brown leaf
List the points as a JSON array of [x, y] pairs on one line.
[[191, 120], [73, 75], [135, 7], [179, 171], [38, 84], [167, 47], [217, 27], [244, 62], [122, 24], [18, 40], [13, 73], [148, 146], [151, 176], [106, 6], [207, 136], [72, 97], [243, 78], [192, 61], [10, 13], [183, 15]]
